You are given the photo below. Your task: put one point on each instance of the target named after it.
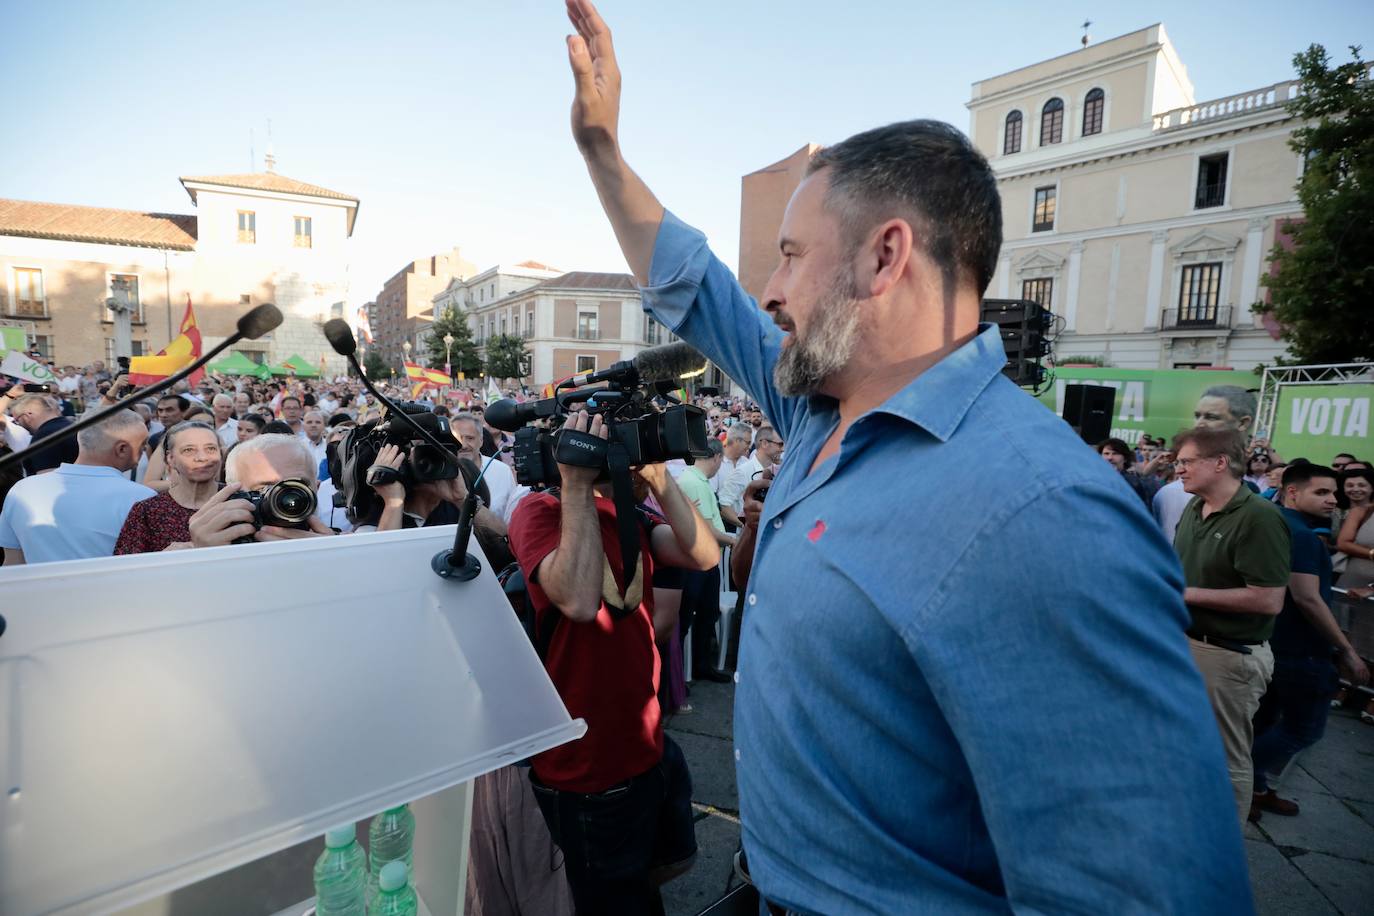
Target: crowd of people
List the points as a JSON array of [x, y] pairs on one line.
[[1065, 694]]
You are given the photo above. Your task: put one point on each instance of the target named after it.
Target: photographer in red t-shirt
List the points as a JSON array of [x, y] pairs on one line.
[[618, 800]]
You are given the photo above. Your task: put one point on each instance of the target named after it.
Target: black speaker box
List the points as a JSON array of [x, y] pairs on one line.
[[1088, 409]]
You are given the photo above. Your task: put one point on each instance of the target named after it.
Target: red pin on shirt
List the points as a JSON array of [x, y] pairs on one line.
[[815, 534]]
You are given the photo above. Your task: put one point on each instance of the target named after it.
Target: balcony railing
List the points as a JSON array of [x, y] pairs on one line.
[[1229, 107], [588, 334], [1218, 316]]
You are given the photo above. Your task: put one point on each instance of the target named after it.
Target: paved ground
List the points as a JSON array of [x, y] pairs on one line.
[[1320, 862]]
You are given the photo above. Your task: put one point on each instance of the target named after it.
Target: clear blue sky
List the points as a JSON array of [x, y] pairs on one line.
[[449, 119]]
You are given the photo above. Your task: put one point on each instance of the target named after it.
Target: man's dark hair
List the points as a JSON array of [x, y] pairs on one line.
[[253, 419], [279, 426], [929, 174], [340, 417], [291, 397], [1120, 447], [183, 404], [1300, 475], [1345, 455]]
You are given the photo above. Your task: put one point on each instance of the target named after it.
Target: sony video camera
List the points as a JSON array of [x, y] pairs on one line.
[[642, 414], [351, 459]]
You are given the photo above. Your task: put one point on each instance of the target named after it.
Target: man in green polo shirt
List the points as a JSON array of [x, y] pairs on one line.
[[701, 591], [1235, 549]]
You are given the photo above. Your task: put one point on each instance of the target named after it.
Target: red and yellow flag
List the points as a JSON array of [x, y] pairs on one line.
[[183, 350], [421, 378]]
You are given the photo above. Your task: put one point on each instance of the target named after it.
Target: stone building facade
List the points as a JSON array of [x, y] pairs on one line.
[[258, 237], [1139, 216]]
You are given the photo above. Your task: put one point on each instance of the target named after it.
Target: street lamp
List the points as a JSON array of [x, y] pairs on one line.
[[448, 354], [405, 347]]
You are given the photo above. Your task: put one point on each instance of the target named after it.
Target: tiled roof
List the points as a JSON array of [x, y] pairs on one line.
[[535, 265], [582, 279], [265, 181], [73, 223]]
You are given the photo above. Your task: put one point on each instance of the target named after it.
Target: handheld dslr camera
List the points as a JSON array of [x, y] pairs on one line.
[[351, 458], [286, 504], [649, 423]]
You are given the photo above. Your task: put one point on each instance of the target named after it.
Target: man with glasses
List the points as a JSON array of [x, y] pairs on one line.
[[1342, 461], [1220, 407], [1235, 548], [39, 415], [767, 452]]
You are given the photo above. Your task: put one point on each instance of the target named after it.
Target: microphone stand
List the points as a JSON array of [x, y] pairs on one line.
[[448, 564], [458, 563], [89, 420]]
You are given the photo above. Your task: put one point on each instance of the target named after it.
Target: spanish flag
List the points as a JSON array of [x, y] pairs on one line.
[[181, 352], [421, 378]]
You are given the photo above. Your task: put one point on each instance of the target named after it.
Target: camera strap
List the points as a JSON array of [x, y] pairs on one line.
[[627, 531]]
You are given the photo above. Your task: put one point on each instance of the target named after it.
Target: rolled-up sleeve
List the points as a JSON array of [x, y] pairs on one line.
[[693, 294]]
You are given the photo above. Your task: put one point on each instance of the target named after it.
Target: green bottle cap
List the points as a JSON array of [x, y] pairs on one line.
[[339, 837], [393, 876]]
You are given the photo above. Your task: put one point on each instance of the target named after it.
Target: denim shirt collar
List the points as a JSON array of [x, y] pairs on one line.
[[937, 399]]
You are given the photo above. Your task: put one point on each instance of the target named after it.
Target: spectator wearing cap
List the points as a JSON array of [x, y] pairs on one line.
[[77, 511]]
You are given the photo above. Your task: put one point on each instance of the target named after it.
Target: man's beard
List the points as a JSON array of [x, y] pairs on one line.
[[805, 366]]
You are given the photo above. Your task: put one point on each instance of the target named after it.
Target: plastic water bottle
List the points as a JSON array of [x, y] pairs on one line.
[[395, 896], [390, 837], [341, 875]]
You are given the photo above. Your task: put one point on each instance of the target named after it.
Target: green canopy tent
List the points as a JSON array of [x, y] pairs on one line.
[[238, 364]]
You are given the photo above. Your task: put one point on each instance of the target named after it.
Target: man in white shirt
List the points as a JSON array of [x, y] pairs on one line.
[[737, 442], [77, 511], [500, 479], [312, 431], [226, 427], [766, 454]]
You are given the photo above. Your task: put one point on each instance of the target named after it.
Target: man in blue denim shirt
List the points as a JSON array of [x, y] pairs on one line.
[[954, 697]]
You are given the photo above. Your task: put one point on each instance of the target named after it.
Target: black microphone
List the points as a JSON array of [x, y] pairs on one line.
[[449, 564], [509, 415], [253, 325], [669, 361], [340, 337]]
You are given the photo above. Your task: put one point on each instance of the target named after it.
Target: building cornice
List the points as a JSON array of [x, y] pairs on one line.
[[1204, 132], [1108, 64], [1202, 218]]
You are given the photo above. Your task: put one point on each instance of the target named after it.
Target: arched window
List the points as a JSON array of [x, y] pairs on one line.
[[1092, 111], [1011, 142], [1052, 122]]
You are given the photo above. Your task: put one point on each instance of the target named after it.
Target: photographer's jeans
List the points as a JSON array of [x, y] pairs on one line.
[[612, 840], [1292, 715]]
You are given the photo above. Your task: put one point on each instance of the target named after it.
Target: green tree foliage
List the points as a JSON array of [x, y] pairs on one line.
[[466, 359], [506, 356], [375, 366], [1323, 285]]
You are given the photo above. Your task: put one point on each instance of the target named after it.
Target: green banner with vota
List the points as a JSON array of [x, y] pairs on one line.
[[1319, 422], [1160, 402]]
